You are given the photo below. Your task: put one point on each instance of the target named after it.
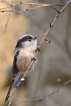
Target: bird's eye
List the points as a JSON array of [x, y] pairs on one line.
[[29, 40]]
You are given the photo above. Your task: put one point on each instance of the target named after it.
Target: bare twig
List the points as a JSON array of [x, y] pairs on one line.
[[52, 23], [32, 4], [45, 96], [7, 21], [10, 102], [36, 5], [55, 9]]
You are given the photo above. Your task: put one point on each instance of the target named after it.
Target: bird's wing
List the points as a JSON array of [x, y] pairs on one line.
[[15, 68]]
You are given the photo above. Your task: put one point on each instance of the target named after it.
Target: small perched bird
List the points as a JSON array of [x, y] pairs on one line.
[[25, 52]]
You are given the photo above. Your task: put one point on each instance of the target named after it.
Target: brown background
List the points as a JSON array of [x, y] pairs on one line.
[[54, 60]]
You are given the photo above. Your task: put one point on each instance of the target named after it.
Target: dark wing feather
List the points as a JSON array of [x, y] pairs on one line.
[[15, 68]]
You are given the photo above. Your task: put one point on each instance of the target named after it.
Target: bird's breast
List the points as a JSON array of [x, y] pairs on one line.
[[24, 60]]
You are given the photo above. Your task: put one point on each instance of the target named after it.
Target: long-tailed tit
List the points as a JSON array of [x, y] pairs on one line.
[[25, 52]]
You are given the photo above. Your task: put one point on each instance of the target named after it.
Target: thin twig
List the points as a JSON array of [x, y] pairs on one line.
[[52, 23], [36, 4], [45, 96], [7, 22]]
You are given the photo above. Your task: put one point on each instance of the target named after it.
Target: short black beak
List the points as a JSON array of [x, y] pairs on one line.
[[35, 37]]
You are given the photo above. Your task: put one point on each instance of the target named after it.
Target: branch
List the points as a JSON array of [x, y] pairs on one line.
[[36, 5], [52, 23], [32, 4], [45, 96], [7, 21]]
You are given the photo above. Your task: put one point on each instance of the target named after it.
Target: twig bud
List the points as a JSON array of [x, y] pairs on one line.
[[20, 2]]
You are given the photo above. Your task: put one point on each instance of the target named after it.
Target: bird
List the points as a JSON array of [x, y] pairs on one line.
[[25, 53]]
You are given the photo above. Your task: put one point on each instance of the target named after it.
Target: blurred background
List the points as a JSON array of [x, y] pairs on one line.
[[54, 60]]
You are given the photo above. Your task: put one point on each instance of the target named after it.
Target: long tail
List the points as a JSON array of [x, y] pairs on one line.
[[9, 91]]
